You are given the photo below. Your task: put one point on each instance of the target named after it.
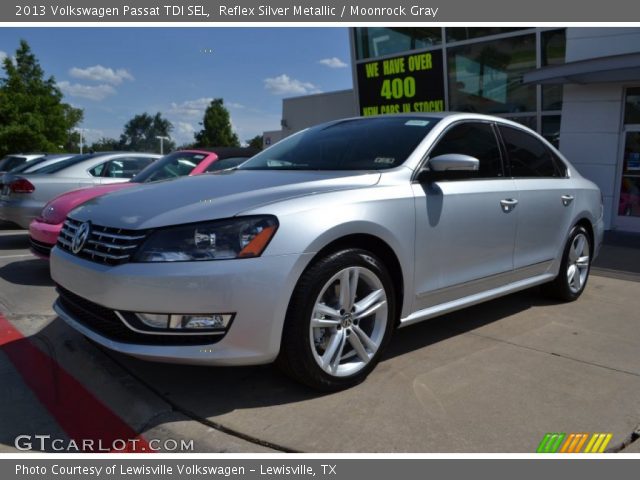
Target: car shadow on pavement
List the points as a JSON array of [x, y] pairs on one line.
[[14, 241], [446, 326], [31, 272]]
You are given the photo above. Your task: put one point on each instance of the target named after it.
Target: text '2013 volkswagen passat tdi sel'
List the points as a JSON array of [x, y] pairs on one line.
[[312, 252]]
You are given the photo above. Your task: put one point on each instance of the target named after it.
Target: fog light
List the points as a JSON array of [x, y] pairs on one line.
[[154, 320], [176, 321], [212, 321]]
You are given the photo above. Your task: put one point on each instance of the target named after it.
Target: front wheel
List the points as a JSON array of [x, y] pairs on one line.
[[574, 268], [339, 320]]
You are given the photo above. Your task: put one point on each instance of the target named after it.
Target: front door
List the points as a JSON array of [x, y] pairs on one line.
[[466, 226]]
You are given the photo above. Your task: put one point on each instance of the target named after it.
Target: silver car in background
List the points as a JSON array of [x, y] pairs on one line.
[[23, 195], [312, 252], [32, 165]]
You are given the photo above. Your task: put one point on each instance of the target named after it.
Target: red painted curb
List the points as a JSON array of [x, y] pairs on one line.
[[83, 416]]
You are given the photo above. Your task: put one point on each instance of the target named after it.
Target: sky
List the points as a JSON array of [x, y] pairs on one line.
[[116, 73]]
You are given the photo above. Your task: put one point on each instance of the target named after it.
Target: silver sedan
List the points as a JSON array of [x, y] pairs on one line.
[[312, 252], [23, 195]]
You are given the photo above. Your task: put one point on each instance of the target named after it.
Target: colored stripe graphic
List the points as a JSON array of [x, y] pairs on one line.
[[581, 443], [551, 442], [573, 443], [78, 412], [598, 443]]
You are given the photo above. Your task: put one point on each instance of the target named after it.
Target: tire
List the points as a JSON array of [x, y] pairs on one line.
[[574, 268], [339, 348]]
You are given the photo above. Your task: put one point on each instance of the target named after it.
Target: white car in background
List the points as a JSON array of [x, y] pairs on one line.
[[24, 195]]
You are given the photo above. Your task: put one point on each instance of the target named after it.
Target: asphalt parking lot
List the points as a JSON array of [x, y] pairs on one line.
[[491, 378]]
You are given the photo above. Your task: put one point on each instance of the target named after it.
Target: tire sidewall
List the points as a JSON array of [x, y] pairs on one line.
[[302, 306], [562, 275]]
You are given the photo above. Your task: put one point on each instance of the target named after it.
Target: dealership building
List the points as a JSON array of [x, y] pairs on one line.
[[578, 87]]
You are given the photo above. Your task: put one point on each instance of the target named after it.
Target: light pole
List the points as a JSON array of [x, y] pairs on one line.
[[162, 139], [81, 131]]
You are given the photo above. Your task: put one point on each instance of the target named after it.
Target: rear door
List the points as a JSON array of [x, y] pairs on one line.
[[465, 224], [545, 200]]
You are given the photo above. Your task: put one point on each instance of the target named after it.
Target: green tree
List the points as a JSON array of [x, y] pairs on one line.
[[186, 146], [33, 116], [256, 142], [104, 144], [140, 134], [216, 127]]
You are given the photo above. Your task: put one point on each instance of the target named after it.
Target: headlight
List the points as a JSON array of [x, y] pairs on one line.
[[242, 237]]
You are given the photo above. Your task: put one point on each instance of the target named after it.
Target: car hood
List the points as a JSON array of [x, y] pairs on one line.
[[211, 196], [57, 209]]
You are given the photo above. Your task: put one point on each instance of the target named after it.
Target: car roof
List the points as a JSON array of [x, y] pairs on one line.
[[225, 152], [450, 116]]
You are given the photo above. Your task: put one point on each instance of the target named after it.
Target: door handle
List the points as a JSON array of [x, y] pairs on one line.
[[567, 199], [508, 204]]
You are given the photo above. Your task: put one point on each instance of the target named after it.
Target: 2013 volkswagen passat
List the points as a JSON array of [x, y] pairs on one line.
[[315, 250]]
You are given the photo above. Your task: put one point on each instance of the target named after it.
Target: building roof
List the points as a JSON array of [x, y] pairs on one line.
[[616, 68]]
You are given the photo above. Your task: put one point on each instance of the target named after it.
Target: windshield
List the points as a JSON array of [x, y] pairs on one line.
[[226, 163], [58, 166], [358, 144], [177, 164]]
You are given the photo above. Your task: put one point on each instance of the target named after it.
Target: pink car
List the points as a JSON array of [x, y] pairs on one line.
[[44, 230]]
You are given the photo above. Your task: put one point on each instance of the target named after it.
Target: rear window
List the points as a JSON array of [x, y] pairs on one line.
[[24, 166], [56, 167], [376, 143], [10, 162]]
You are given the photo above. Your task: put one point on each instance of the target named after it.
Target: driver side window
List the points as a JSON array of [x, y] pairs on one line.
[[476, 139]]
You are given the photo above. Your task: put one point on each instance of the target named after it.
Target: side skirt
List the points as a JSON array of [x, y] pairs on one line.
[[474, 299]]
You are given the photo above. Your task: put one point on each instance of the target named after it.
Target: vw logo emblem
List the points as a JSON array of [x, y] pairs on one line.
[[80, 237]]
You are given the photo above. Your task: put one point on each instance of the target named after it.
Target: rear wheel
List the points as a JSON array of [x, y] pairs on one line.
[[339, 320], [574, 268]]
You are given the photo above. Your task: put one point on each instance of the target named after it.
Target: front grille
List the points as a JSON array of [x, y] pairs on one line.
[[40, 247], [106, 323], [106, 245]]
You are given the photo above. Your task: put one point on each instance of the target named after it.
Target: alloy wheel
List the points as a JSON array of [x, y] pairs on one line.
[[578, 263], [348, 321]]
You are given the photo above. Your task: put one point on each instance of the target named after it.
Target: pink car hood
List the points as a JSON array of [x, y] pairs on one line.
[[57, 209]]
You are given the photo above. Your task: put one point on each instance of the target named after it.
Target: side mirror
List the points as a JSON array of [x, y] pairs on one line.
[[449, 166], [454, 162]]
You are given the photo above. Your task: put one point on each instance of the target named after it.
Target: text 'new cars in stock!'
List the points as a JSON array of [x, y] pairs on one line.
[[312, 252]]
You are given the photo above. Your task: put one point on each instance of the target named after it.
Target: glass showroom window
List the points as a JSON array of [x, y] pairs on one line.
[[632, 106], [380, 41], [551, 129], [467, 33], [553, 48], [629, 201], [486, 77]]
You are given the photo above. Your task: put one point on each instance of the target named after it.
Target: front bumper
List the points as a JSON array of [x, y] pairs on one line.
[[43, 236], [257, 290]]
